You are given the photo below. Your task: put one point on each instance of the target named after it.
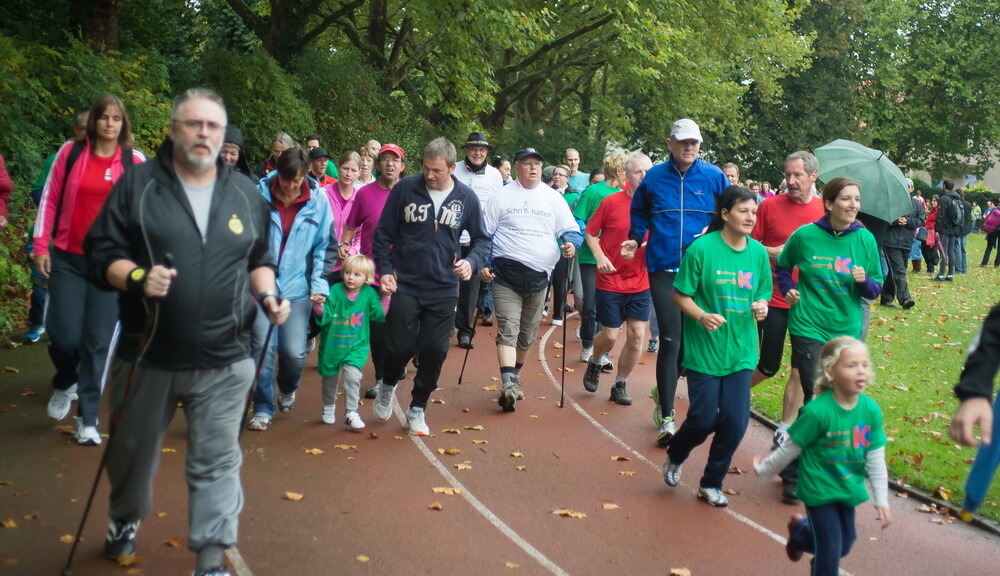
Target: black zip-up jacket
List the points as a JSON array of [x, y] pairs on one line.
[[419, 247], [205, 320], [983, 361], [902, 236], [948, 203]]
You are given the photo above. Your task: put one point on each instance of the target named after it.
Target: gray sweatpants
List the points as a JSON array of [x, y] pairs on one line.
[[214, 401], [352, 387]]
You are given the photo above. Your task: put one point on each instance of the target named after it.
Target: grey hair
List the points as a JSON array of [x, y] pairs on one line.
[[635, 157], [441, 147], [809, 162], [284, 139], [199, 94]]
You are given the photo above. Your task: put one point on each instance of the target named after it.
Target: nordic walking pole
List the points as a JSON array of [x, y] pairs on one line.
[[168, 261], [259, 369], [562, 387], [475, 323]]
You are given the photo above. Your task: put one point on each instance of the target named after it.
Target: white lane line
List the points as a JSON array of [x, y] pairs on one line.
[[238, 563], [476, 504], [611, 436]]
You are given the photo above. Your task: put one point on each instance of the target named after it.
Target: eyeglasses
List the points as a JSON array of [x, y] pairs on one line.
[[199, 125], [560, 175]]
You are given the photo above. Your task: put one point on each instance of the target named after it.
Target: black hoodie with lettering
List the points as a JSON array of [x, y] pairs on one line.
[[421, 247]]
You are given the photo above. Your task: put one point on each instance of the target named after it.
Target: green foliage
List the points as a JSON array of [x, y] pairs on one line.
[[980, 193], [261, 98], [350, 108]]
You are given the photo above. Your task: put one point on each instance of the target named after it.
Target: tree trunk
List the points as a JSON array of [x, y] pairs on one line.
[[98, 22]]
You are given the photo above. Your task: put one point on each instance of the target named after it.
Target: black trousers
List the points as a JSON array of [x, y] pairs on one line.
[[421, 327], [895, 285]]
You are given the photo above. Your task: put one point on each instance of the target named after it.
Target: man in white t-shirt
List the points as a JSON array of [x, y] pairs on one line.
[[475, 172], [532, 227]]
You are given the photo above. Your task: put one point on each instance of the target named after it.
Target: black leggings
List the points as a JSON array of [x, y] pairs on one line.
[[668, 317]]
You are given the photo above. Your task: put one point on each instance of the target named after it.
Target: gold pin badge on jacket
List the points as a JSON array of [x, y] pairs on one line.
[[235, 226]]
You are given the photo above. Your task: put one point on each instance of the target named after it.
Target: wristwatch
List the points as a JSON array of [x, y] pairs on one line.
[[136, 279]]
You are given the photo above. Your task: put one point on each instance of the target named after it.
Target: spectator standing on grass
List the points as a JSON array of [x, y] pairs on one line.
[[674, 203], [722, 289], [897, 243], [838, 264], [931, 246], [777, 218], [475, 172], [968, 227], [416, 248], [974, 389], [532, 229], [185, 328], [361, 224], [622, 284], [949, 224], [81, 316], [300, 228], [991, 226], [916, 253]]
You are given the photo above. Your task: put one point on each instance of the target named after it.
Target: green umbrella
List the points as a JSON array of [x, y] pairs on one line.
[[884, 193]]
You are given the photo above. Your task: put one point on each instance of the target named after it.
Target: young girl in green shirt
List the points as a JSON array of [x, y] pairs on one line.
[[839, 440]]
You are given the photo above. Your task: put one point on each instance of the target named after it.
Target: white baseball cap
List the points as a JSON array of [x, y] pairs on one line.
[[685, 129]]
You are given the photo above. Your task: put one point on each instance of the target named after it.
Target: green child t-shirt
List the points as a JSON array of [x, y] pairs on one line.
[[834, 443], [725, 281], [345, 327], [829, 299]]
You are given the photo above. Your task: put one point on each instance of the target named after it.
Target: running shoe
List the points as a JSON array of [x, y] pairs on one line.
[[619, 395], [34, 334], [667, 430], [286, 402], [329, 414], [793, 553], [87, 435], [120, 540], [653, 346], [415, 423], [713, 496], [672, 473], [60, 402], [354, 421], [382, 407]]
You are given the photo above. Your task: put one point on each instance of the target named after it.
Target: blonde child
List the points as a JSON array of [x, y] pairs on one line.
[[839, 439], [344, 321]]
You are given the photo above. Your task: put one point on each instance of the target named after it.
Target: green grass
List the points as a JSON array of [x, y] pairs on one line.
[[918, 355]]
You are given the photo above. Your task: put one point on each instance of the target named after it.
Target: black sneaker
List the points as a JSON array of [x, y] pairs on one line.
[[465, 341], [619, 395], [789, 495], [120, 540], [592, 377], [908, 304]]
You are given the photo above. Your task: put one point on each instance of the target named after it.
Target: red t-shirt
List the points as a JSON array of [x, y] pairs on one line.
[[611, 223], [288, 213], [95, 185], [777, 218]]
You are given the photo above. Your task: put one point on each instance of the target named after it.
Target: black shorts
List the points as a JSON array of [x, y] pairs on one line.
[[771, 332], [805, 357]]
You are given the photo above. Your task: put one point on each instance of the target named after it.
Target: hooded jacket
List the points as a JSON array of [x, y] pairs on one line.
[[235, 136], [902, 236], [948, 204], [420, 247], [204, 322], [674, 207]]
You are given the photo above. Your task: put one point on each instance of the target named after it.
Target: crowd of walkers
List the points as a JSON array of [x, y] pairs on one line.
[[169, 278]]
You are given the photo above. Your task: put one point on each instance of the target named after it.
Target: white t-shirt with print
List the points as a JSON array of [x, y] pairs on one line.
[[529, 224]]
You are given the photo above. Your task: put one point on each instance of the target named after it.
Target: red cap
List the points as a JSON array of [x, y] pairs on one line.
[[392, 148]]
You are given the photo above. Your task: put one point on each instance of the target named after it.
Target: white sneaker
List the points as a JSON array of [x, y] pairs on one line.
[[353, 419], [329, 414], [415, 422], [586, 353], [286, 402], [59, 403], [557, 321], [382, 407], [87, 435]]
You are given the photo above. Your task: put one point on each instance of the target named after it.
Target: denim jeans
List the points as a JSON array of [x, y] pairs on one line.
[[983, 467], [288, 343]]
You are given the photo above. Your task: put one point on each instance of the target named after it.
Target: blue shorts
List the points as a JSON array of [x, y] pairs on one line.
[[613, 308]]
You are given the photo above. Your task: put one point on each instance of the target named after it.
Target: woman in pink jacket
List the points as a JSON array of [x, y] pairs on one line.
[[81, 317]]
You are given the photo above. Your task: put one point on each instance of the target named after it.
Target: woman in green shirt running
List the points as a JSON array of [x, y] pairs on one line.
[[722, 288]]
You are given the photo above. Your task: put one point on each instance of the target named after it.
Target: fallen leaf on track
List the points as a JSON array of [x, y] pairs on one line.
[[569, 513], [520, 468], [161, 514], [463, 466], [466, 410], [511, 565], [491, 388], [621, 459], [8, 523], [557, 345], [397, 437], [66, 539], [942, 493], [435, 506], [626, 473], [736, 470], [480, 441], [11, 370], [362, 558], [128, 560], [449, 451], [372, 436], [173, 543], [437, 401], [348, 446], [730, 491], [451, 431], [446, 490], [28, 393], [516, 455], [495, 378], [610, 506], [314, 451], [479, 427], [293, 496], [532, 415], [679, 572]]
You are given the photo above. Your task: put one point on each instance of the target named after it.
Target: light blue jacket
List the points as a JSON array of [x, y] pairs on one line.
[[300, 266]]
